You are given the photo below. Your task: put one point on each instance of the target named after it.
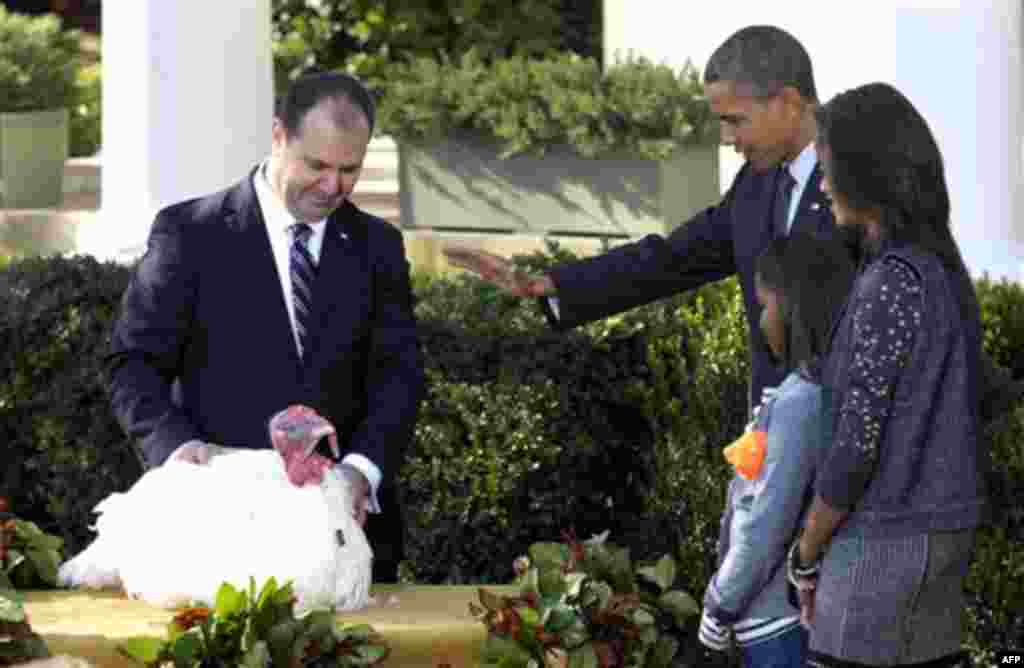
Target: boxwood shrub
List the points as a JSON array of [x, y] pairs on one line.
[[524, 434]]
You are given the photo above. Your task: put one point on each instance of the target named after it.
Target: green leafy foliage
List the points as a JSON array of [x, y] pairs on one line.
[[258, 628], [21, 647], [86, 124], [38, 62], [584, 603], [615, 425], [28, 558], [366, 36], [12, 609], [63, 449], [1002, 311], [32, 557], [547, 411], [526, 105]]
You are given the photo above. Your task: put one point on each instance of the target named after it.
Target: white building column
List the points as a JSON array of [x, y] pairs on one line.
[[960, 63], [187, 109]]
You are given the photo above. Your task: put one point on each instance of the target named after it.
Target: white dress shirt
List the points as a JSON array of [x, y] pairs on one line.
[[800, 168], [278, 221]]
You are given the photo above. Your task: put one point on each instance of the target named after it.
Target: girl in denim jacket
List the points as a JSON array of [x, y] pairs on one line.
[[800, 282]]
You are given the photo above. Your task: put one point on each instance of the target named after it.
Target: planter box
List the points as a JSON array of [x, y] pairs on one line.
[[33, 148], [462, 185]]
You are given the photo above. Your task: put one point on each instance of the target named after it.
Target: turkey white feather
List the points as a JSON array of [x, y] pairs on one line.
[[183, 529]]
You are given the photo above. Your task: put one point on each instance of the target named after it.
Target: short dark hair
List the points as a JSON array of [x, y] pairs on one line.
[[880, 155], [812, 278], [312, 87], [767, 59]]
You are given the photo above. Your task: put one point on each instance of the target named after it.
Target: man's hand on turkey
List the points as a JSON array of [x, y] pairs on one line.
[[295, 432], [360, 492], [499, 271], [193, 452]]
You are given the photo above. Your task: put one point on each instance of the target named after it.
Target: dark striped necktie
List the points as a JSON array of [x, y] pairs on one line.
[[303, 272], [783, 197]]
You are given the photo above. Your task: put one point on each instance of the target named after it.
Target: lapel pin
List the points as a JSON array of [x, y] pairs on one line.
[[815, 206]]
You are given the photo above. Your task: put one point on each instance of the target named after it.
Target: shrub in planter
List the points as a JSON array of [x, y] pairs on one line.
[[526, 105], [626, 151], [38, 62]]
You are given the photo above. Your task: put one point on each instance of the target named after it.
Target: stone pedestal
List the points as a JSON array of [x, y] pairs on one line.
[[187, 109]]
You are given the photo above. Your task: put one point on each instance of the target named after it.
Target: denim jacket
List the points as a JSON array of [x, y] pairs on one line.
[[921, 473], [762, 515]]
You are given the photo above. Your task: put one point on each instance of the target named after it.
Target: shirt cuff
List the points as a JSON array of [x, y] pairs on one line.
[[372, 473], [713, 605], [194, 441], [712, 634], [553, 303]]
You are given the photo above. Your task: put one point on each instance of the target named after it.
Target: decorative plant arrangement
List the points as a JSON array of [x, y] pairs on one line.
[[526, 104], [38, 62], [583, 604], [258, 629], [18, 642], [28, 557]]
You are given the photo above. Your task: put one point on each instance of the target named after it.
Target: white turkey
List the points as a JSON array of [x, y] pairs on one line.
[[183, 528]]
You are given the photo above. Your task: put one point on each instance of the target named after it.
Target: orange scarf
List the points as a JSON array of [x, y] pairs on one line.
[[746, 453]]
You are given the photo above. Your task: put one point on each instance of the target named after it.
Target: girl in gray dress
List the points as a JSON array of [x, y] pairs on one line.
[[886, 544]]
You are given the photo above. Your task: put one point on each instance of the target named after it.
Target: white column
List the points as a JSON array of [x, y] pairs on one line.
[[187, 109], [960, 63]]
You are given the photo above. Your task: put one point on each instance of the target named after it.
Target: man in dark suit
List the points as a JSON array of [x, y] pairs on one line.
[[761, 87], [274, 292]]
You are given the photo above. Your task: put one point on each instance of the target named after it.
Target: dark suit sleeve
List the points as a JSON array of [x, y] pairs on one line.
[[395, 381], [148, 343], [699, 251]]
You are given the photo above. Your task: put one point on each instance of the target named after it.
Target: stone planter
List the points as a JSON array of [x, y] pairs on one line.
[[33, 148], [462, 185]]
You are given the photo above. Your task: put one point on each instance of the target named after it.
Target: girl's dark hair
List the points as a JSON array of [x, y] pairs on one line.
[[812, 278], [880, 155]]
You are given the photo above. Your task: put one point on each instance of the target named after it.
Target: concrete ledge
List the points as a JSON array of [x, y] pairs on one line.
[[41, 232], [82, 175]]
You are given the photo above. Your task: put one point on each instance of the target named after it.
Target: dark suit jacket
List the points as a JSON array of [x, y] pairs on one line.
[[205, 311], [722, 240]]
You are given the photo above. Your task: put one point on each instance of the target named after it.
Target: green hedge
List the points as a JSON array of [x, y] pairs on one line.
[[63, 451], [524, 433], [38, 62], [365, 36], [86, 121], [526, 105]]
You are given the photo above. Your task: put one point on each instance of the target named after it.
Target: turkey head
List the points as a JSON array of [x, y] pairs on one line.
[[294, 433]]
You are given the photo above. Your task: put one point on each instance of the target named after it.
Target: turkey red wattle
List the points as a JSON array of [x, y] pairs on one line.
[[305, 470], [294, 433]]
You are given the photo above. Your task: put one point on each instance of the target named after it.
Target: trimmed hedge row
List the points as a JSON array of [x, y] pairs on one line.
[[524, 433]]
